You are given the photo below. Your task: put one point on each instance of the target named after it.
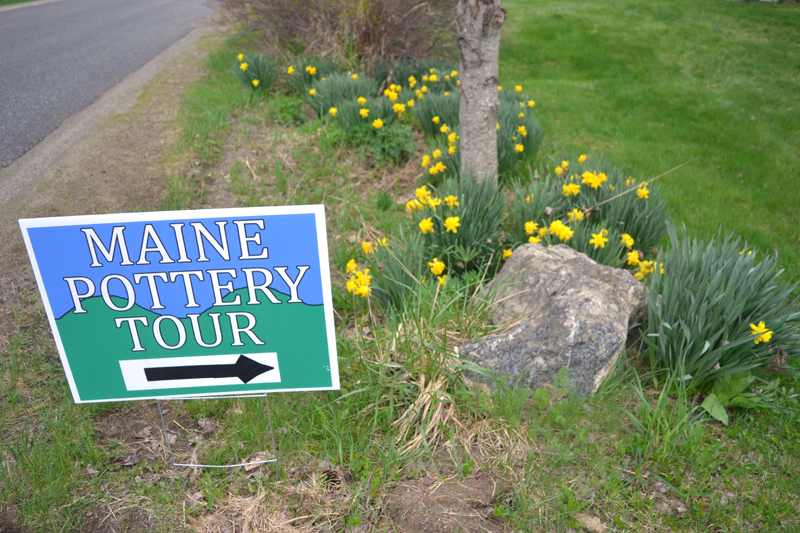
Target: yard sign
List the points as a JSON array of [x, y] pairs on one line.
[[188, 303]]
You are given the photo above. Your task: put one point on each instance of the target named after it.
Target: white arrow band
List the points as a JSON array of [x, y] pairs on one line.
[[135, 379]]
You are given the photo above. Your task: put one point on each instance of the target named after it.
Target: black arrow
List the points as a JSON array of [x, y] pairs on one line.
[[245, 369]]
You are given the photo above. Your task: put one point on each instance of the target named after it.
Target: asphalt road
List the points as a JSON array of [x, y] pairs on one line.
[[57, 58]]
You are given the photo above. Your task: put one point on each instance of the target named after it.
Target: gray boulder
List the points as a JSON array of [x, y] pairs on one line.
[[560, 309]]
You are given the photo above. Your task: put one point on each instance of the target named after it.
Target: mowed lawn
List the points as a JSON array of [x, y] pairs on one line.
[[653, 84]]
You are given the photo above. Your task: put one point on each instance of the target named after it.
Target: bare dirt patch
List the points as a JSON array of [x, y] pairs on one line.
[[433, 506], [9, 521]]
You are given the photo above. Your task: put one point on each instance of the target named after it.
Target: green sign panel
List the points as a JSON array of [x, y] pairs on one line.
[[188, 303]]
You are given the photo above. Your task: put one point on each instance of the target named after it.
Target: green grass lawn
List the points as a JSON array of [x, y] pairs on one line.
[[655, 84]]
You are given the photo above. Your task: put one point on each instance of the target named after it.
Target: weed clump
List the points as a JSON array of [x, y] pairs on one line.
[[350, 30]]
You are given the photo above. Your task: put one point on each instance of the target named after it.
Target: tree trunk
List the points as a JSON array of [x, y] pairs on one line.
[[479, 24]]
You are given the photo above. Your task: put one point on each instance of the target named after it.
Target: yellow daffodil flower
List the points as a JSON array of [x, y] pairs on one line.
[[351, 266], [414, 206], [507, 253], [437, 168], [451, 201], [591, 179], [244, 66], [255, 83], [599, 239], [368, 247], [764, 335], [423, 194], [290, 70], [332, 111], [437, 267], [240, 57], [627, 241], [576, 215], [426, 225], [377, 123], [560, 230], [571, 189], [452, 224], [364, 112]]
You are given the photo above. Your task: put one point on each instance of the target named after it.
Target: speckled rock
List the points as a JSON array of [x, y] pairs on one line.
[[561, 309]]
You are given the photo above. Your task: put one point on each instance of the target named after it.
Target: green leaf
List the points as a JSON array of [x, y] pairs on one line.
[[714, 407], [739, 383], [747, 401]]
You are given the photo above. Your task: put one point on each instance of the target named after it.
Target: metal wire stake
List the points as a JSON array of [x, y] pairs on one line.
[[237, 465]]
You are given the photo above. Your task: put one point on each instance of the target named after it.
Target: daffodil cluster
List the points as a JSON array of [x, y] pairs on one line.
[[359, 282], [607, 211], [560, 230], [437, 208], [256, 72], [434, 163]]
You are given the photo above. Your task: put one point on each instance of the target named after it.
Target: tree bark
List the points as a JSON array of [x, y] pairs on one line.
[[479, 24]]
